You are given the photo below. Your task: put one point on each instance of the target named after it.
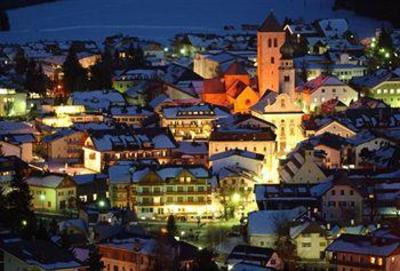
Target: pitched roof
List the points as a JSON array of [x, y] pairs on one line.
[[236, 89], [251, 253], [43, 254], [245, 154], [236, 68], [270, 24], [366, 245]]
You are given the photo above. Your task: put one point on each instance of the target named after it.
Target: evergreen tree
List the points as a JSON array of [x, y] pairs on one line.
[[75, 76], [53, 227], [4, 21], [35, 79], [204, 261], [21, 62], [285, 246], [385, 40], [94, 261], [64, 241], [18, 201], [171, 226], [102, 71], [41, 232]]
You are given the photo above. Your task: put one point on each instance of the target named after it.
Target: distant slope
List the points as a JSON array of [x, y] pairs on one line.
[[159, 19], [10, 4]]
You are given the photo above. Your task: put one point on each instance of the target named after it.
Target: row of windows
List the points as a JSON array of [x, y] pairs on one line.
[[308, 244], [333, 90], [341, 203], [386, 91], [342, 192]]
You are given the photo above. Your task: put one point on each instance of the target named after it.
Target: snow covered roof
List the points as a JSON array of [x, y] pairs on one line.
[[127, 173], [194, 111], [52, 181], [131, 110], [364, 245], [333, 27], [41, 254], [132, 139], [186, 147], [250, 267], [237, 152], [97, 100], [267, 221], [16, 127], [319, 82]]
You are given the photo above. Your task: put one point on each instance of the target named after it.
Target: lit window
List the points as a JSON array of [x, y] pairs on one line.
[[94, 196], [380, 261], [372, 260]]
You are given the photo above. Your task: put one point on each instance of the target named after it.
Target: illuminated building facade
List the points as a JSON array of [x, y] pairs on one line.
[[12, 103], [270, 38], [184, 191]]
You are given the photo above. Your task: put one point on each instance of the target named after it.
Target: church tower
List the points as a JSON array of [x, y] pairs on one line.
[[286, 70], [270, 38]]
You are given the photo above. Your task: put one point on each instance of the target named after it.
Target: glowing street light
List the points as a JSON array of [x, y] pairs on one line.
[[236, 198], [102, 203], [42, 197], [24, 223]]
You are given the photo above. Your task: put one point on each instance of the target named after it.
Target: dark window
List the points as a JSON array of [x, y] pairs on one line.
[[272, 60], [287, 78], [275, 43], [269, 43]]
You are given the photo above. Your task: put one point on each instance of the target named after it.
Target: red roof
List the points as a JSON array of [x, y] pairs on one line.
[[215, 85], [236, 89]]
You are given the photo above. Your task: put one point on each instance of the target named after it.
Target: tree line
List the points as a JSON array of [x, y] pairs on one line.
[[382, 10]]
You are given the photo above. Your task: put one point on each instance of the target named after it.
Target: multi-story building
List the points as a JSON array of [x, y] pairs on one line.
[[104, 147], [315, 92], [364, 252], [193, 122], [311, 240], [184, 191], [256, 140], [143, 253], [52, 193], [279, 108], [12, 103], [64, 144], [383, 85], [130, 115], [18, 254]]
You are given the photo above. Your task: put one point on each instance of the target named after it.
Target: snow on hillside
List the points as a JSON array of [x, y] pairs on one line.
[[159, 19]]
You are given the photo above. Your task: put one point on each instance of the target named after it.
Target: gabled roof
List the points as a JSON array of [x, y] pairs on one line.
[[251, 253], [236, 68], [270, 24], [236, 89], [365, 245], [245, 154], [318, 82], [42, 254]]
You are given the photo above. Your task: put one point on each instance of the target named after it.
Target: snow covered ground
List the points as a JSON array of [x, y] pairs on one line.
[[159, 19]]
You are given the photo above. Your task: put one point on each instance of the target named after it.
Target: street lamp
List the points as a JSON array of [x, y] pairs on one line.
[[24, 222], [235, 198], [42, 199], [102, 203]]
